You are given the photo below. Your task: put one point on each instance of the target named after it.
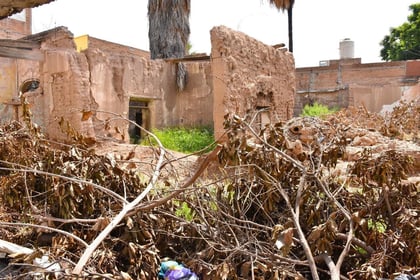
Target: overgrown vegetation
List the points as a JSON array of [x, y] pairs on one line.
[[185, 140], [317, 110], [281, 207]]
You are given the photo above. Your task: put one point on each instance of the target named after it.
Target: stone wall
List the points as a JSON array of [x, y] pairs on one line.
[[249, 76]]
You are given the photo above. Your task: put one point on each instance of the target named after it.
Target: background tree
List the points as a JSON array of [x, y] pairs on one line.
[[169, 30], [286, 5], [404, 41]]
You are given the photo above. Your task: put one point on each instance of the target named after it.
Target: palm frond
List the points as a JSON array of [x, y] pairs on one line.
[[282, 4]]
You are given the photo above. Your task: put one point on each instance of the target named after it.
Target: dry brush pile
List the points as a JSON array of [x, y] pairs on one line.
[[278, 208]]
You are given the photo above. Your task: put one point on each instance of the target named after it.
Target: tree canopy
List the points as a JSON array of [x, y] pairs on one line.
[[403, 42]]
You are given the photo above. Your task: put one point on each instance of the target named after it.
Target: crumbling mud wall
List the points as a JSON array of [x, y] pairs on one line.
[[91, 92], [11, 28], [8, 88], [249, 76], [121, 76], [63, 90], [64, 76], [194, 105]]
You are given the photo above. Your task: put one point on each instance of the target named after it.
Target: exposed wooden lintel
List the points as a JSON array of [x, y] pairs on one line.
[[31, 54], [19, 44], [193, 57]]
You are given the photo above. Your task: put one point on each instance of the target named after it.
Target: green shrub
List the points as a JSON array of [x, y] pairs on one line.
[[185, 140], [317, 110]]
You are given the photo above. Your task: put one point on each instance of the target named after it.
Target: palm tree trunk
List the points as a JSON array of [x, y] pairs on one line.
[[290, 27], [169, 30]]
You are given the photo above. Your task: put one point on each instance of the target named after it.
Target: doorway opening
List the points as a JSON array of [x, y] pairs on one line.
[[138, 112]]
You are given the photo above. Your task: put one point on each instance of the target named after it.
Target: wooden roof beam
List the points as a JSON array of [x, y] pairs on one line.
[[22, 49]]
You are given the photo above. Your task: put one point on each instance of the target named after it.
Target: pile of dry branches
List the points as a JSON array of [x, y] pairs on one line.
[[278, 208]]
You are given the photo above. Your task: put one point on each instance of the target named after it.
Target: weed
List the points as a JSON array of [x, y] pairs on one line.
[[317, 110], [185, 140]]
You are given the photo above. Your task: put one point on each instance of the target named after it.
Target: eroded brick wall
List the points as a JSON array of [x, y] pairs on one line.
[[15, 28], [248, 76], [102, 80], [348, 82]]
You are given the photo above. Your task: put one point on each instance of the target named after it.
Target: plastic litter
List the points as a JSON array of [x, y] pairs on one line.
[[172, 270]]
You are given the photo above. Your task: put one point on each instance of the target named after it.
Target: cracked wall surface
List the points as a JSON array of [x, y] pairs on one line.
[[249, 76], [101, 80], [64, 75], [119, 74], [104, 78]]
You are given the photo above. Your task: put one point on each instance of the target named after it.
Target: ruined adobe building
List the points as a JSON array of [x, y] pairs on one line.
[[108, 81]]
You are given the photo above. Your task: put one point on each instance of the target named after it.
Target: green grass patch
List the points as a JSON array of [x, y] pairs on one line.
[[185, 140], [317, 110]]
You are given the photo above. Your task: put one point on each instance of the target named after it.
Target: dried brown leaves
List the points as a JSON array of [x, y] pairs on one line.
[[278, 189]]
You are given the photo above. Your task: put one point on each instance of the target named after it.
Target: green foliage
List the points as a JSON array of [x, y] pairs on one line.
[[404, 41], [184, 211], [189, 49], [185, 140], [378, 225], [317, 110]]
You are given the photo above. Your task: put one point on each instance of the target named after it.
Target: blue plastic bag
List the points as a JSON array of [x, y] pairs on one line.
[[171, 270]]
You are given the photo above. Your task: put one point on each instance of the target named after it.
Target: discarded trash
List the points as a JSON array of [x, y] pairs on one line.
[[41, 265], [171, 270]]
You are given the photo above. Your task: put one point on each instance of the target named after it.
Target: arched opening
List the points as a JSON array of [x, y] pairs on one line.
[[29, 85]]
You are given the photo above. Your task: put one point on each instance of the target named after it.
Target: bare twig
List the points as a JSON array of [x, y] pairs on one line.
[[45, 228], [117, 219], [295, 216], [25, 169], [344, 211]]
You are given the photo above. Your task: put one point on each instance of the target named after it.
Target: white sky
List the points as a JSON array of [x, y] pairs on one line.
[[318, 26]]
